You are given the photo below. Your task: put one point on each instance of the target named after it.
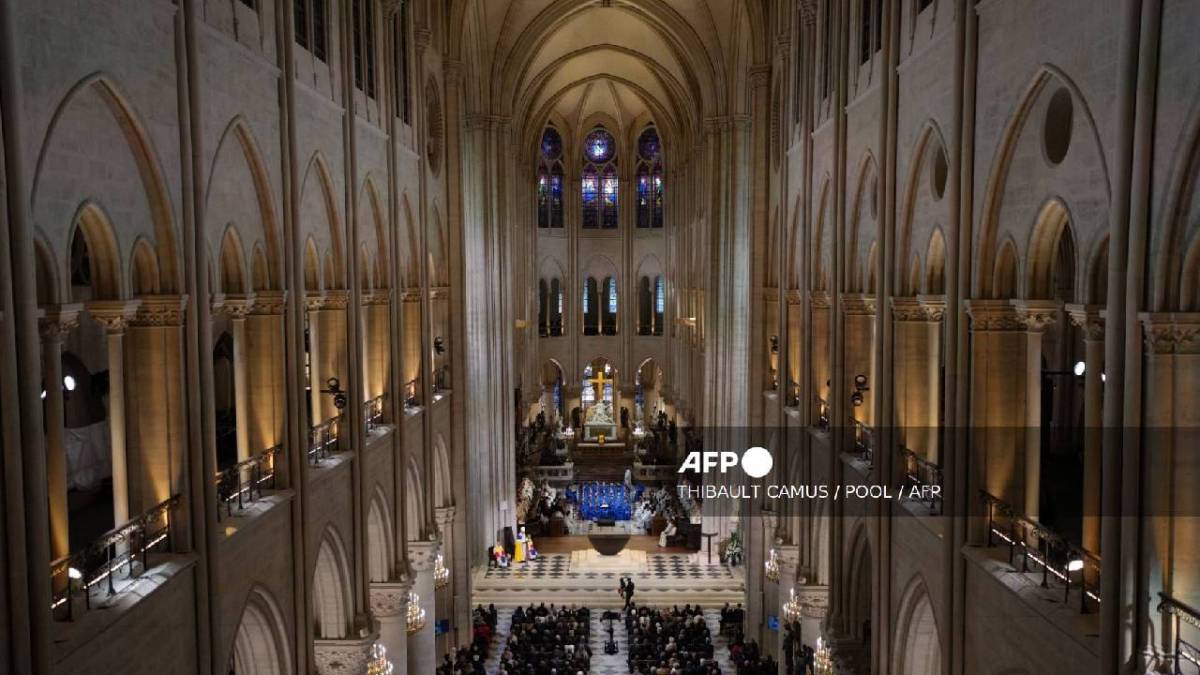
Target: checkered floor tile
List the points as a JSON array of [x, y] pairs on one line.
[[669, 566]]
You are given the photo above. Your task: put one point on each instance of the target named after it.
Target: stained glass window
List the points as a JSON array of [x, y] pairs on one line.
[[649, 180], [586, 299], [599, 184], [660, 295], [550, 180], [612, 296]]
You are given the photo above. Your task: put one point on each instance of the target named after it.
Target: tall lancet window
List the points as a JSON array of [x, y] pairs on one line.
[[610, 306], [649, 180], [550, 180], [660, 304], [599, 182]]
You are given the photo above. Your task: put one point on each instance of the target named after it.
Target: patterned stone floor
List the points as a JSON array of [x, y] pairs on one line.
[[607, 664]]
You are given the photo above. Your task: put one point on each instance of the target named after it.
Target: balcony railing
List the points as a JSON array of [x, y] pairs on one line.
[[243, 483], [373, 412], [124, 549], [1183, 653], [923, 473], [1040, 548], [411, 395], [822, 413], [323, 440], [864, 441]]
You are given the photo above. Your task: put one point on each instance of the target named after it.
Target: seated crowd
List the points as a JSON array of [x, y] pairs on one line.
[[669, 641], [748, 659], [547, 641], [470, 660]]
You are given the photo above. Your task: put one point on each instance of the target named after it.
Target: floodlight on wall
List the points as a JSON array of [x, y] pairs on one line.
[[1080, 368], [1075, 565], [856, 399], [43, 394], [74, 573], [1103, 377], [333, 387], [69, 383]]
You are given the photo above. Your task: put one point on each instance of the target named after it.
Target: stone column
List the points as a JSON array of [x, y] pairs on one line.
[[266, 378], [1087, 318], [788, 557], [451, 595], [917, 386], [313, 303], [1005, 415], [389, 606], [422, 656], [54, 325], [114, 315], [154, 377], [858, 312], [343, 657], [237, 307]]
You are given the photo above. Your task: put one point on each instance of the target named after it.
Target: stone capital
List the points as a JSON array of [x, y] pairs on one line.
[[269, 303], [760, 75], [858, 304], [314, 301], [1088, 319], [410, 295], [438, 292], [444, 515], [390, 598], [423, 554], [160, 310], [819, 299], [238, 306], [1037, 314], [114, 315], [343, 657], [421, 39], [1170, 332], [922, 308], [56, 321], [391, 7], [788, 556], [376, 297], [336, 299]]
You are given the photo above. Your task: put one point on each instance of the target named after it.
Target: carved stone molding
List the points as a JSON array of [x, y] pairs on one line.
[[314, 301], [793, 296], [819, 299], [1088, 319], [269, 303], [454, 72], [390, 598], [858, 304], [342, 657], [410, 295], [439, 292], [114, 315], [1170, 332], [444, 515], [160, 310], [759, 75], [1037, 314], [56, 321], [238, 306], [788, 556], [422, 555], [336, 299], [993, 316]]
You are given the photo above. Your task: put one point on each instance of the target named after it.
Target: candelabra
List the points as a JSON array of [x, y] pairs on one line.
[[379, 664], [792, 608], [823, 660], [771, 565], [441, 575], [416, 615]]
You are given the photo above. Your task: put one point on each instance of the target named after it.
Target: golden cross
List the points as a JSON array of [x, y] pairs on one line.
[[599, 381]]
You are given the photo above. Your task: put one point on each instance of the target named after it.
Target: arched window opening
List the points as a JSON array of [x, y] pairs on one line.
[[550, 180], [364, 46], [645, 311], [555, 307], [591, 308], [400, 69], [610, 309], [543, 305], [649, 180], [660, 303], [599, 184], [311, 26], [225, 399]]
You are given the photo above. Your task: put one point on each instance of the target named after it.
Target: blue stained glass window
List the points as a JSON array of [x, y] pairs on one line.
[[650, 180], [585, 298], [599, 146], [660, 295], [551, 144], [550, 180], [612, 296]]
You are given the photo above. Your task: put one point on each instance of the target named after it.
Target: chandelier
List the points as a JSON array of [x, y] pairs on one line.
[[441, 575], [379, 664], [771, 565], [823, 660], [792, 608], [416, 615]]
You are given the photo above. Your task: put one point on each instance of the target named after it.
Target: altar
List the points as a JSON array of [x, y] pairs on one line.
[[599, 424]]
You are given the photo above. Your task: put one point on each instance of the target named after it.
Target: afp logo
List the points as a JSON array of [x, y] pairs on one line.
[[756, 462]]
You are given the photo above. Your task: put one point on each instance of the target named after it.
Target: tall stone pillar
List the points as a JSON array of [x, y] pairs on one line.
[[422, 656], [788, 558], [1005, 415], [917, 386], [156, 434], [858, 312], [237, 307], [389, 606], [265, 375], [54, 325], [451, 596], [1087, 318], [313, 303], [115, 315]]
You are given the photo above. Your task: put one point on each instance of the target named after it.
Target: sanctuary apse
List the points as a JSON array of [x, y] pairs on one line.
[[311, 307]]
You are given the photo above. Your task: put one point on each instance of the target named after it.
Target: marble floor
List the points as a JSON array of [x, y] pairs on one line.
[[607, 664]]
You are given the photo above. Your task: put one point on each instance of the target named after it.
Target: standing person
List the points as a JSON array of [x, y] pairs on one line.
[[629, 593], [621, 591]]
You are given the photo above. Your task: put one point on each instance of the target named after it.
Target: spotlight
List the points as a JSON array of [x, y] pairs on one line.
[[43, 394], [1103, 377], [74, 573], [1075, 565], [856, 399], [860, 381], [69, 382], [1080, 368]]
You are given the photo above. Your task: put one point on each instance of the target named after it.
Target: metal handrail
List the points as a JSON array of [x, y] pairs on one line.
[[243, 483], [923, 473], [101, 560], [323, 439], [373, 412], [822, 413], [411, 395], [1043, 547], [864, 441], [1180, 613]]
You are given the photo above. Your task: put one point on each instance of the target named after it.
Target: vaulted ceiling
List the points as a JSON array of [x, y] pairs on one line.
[[671, 61]]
